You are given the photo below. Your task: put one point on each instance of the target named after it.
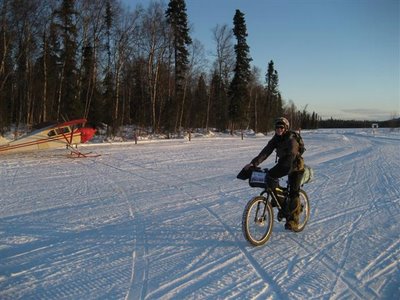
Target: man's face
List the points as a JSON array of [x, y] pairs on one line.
[[279, 129]]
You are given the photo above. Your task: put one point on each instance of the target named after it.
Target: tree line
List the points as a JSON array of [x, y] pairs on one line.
[[337, 123], [94, 59]]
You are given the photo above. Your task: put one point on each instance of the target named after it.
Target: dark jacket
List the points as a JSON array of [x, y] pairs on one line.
[[287, 150]]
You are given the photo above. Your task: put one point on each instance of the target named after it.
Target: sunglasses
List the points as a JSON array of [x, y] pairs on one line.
[[279, 127]]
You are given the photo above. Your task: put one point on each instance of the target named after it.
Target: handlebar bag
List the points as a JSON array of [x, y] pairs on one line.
[[258, 179]]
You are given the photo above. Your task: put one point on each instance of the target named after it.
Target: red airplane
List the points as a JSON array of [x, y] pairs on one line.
[[68, 134]]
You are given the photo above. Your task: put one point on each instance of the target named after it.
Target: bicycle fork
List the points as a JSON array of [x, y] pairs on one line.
[[262, 218]]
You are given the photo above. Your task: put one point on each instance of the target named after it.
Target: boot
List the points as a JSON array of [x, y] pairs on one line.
[[294, 210], [283, 213]]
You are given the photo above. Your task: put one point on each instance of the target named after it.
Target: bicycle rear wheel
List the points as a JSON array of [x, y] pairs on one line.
[[305, 212], [257, 221]]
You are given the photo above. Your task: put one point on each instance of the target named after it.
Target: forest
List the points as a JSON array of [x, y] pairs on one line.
[[66, 59]]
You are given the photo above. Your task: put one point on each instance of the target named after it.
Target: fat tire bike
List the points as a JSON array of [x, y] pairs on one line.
[[258, 214]]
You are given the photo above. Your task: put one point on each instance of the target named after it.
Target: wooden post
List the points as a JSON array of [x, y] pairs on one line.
[[135, 137]]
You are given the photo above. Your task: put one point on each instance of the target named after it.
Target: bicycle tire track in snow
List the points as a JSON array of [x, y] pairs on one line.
[[137, 292], [163, 220]]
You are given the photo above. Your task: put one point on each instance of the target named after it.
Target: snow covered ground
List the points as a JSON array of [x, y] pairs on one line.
[[162, 220]]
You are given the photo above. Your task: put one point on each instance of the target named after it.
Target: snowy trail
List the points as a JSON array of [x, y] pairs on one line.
[[163, 220]]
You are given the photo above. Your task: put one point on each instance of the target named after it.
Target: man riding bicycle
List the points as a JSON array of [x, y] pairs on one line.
[[290, 162]]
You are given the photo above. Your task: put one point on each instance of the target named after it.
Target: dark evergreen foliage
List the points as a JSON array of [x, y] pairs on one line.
[[70, 106], [336, 123], [177, 19], [274, 105], [238, 92], [77, 58], [198, 111]]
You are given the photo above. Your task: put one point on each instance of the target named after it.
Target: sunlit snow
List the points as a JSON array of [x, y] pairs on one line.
[[162, 220]]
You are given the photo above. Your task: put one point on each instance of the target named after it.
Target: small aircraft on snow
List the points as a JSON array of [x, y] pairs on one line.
[[68, 134]]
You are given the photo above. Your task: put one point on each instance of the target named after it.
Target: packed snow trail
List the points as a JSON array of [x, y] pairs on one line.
[[163, 220]]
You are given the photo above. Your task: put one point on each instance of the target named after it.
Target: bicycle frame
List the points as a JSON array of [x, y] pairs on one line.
[[271, 194]]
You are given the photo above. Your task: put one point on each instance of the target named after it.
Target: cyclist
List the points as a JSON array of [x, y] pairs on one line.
[[290, 162]]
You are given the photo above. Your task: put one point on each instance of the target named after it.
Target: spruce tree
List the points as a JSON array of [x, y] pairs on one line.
[[271, 79], [90, 95], [218, 103], [107, 103], [69, 105], [6, 66], [238, 92], [274, 103], [199, 113], [177, 19]]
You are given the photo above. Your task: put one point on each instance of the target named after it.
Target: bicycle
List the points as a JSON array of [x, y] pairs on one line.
[[258, 215]]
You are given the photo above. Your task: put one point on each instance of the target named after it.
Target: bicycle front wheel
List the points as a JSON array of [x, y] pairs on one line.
[[257, 221]]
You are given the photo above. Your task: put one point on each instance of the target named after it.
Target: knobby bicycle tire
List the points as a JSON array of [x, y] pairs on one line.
[[305, 213], [257, 224]]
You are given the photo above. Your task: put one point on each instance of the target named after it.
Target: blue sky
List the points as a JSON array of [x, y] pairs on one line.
[[341, 58]]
